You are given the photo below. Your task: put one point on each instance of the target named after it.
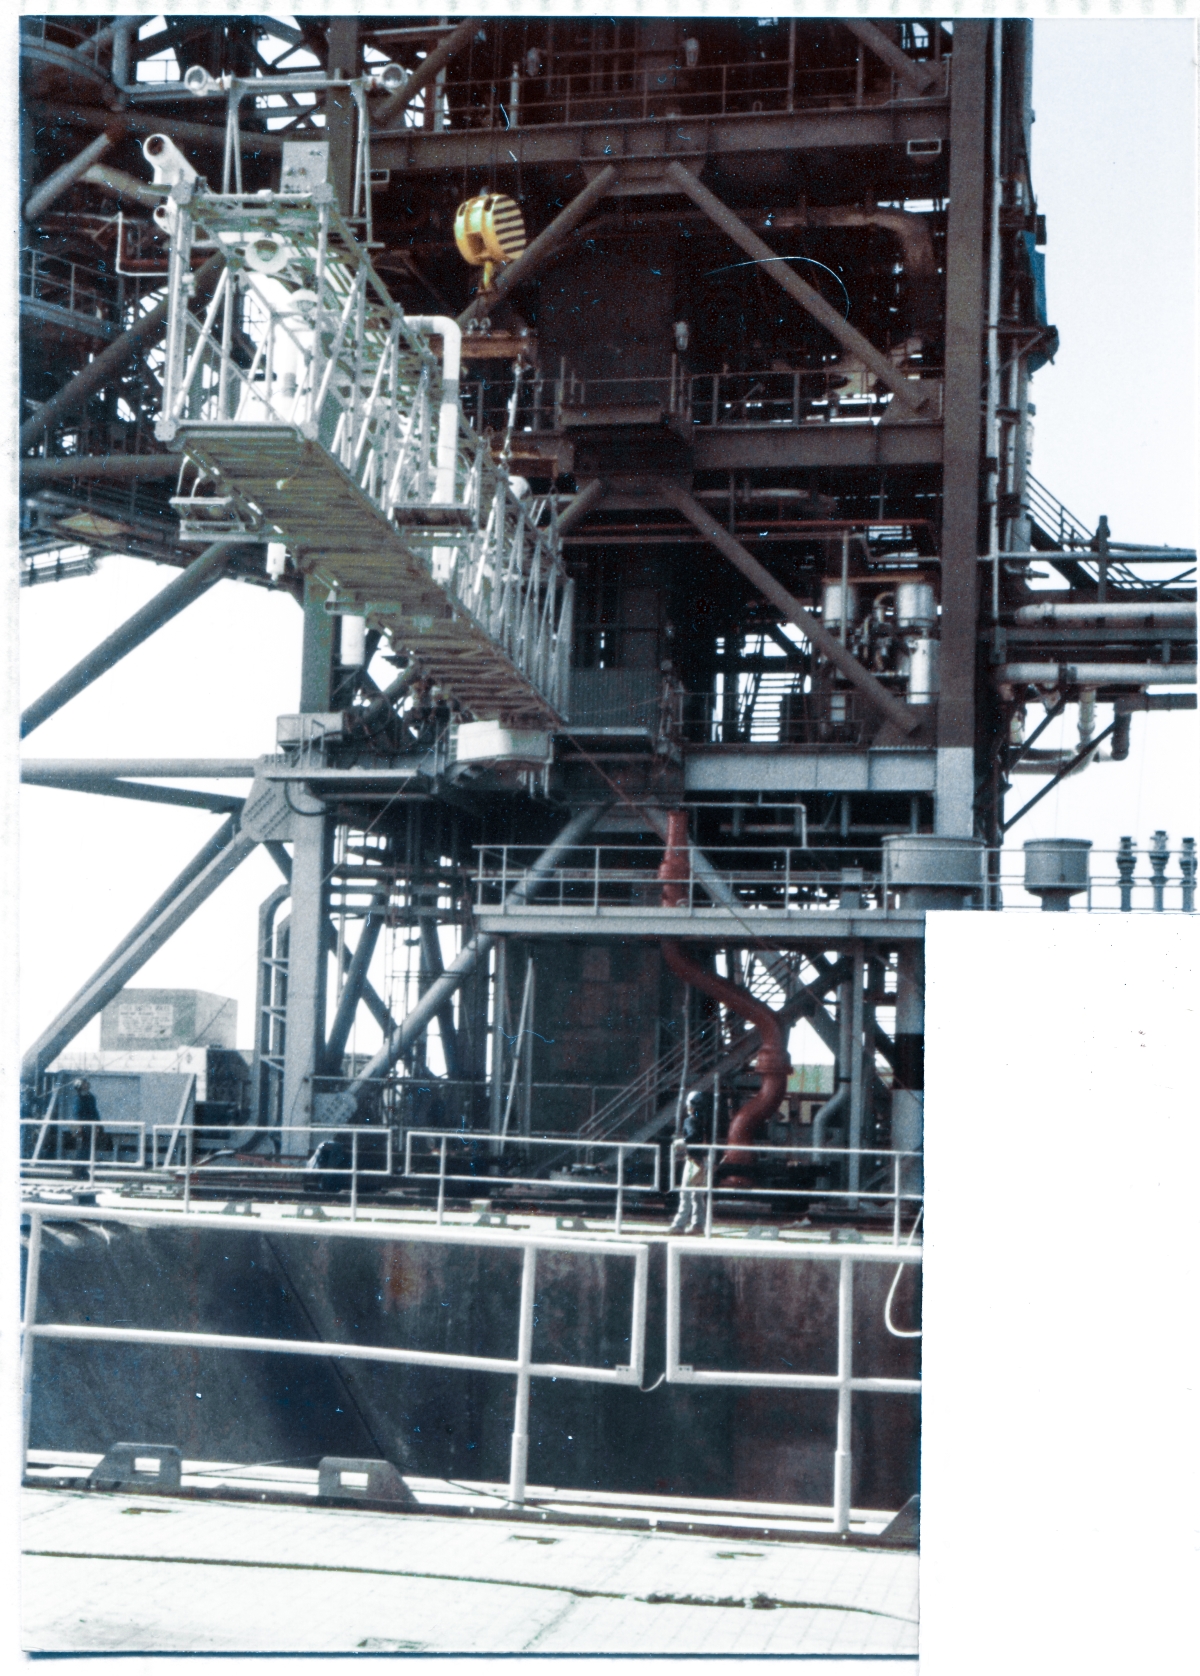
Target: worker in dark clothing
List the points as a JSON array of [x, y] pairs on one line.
[[86, 1112], [689, 1218]]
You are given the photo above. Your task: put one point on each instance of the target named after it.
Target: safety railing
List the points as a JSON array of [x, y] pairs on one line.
[[844, 1381], [64, 1146], [827, 395], [1114, 883], [300, 338], [758, 879], [61, 283], [353, 1151], [879, 1177], [435, 1150], [521, 1364], [618, 85], [780, 879], [709, 401], [1054, 518], [1083, 545]]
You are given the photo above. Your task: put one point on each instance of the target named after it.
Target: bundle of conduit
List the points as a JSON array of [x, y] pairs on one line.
[[771, 1061]]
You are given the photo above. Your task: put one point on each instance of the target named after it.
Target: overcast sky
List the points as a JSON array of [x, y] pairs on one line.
[[1115, 433]]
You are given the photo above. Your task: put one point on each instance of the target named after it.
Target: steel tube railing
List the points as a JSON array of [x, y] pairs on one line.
[[556, 1144], [778, 885], [522, 1364], [111, 1128], [896, 1195], [844, 1382]]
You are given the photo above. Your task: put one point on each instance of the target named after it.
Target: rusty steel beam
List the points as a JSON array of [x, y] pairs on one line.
[[919, 76], [426, 72], [906, 391]]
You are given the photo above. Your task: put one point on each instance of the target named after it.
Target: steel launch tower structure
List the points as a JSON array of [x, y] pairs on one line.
[[723, 608]]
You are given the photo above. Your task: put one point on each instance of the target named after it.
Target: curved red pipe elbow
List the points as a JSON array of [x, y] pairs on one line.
[[771, 1060]]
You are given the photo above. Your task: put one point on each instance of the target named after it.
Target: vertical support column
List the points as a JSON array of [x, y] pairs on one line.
[[843, 1459], [858, 1053], [908, 1098], [526, 1043], [33, 1261], [307, 953], [317, 650], [965, 280], [339, 108], [520, 1438], [499, 1002], [843, 1092]]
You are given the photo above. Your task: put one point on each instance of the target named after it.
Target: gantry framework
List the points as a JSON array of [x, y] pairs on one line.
[[718, 499]]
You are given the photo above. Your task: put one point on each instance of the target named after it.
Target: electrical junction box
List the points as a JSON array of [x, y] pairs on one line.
[[312, 727], [493, 742], [305, 165]]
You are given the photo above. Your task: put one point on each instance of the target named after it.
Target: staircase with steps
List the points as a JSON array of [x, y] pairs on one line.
[[642, 1108], [1061, 538], [321, 419]]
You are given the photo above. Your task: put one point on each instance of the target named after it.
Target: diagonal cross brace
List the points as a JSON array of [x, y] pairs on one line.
[[922, 77], [906, 391], [197, 579], [904, 716], [194, 886]]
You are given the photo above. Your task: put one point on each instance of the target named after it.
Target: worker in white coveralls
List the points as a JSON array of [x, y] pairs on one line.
[[689, 1218]]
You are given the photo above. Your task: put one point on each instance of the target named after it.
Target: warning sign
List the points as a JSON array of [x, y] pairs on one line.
[[146, 1020]]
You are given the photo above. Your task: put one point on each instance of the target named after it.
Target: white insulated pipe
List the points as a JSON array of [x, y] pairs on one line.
[[1101, 674], [450, 333], [1171, 611]]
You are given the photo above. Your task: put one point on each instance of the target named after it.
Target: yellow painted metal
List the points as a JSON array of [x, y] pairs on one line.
[[489, 231]]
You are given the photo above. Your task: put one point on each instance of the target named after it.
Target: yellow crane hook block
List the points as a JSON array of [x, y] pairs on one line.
[[489, 230]]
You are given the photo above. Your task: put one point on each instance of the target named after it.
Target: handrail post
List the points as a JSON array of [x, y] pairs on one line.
[[92, 1155], [520, 1438], [845, 1351], [354, 1176], [441, 1198], [187, 1168], [896, 1199], [710, 1185], [620, 1185], [33, 1261]]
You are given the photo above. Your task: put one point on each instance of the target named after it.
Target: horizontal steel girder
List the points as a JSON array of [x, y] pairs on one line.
[[816, 928], [762, 132], [913, 442]]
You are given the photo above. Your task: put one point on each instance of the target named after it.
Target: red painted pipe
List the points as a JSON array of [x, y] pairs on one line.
[[771, 1060]]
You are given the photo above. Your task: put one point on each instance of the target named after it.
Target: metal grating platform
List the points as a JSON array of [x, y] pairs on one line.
[[338, 536]]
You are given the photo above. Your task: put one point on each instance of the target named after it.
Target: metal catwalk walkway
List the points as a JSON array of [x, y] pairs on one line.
[[338, 535], [322, 419]]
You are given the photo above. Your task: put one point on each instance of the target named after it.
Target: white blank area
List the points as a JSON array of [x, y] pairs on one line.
[[1059, 1482]]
